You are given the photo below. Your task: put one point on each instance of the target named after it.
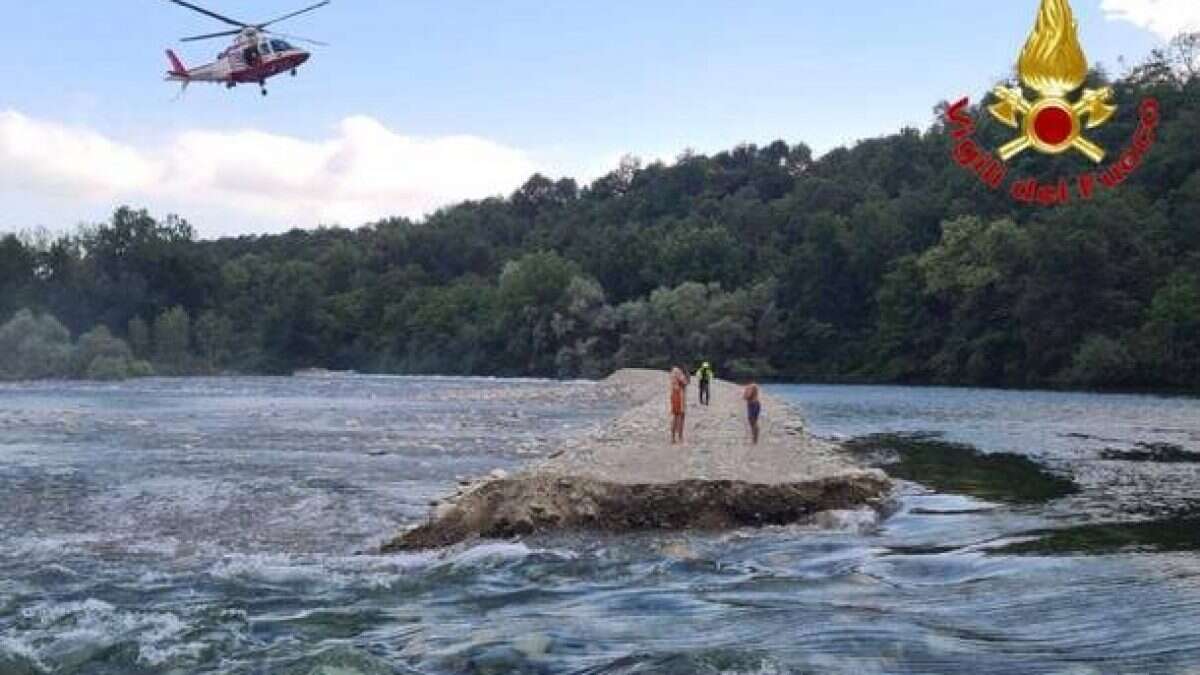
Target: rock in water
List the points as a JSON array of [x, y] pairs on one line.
[[628, 476], [533, 645]]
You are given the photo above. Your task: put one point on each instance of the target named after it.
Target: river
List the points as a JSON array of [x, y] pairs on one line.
[[224, 525]]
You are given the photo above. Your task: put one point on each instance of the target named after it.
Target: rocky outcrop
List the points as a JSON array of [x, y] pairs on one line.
[[532, 504], [628, 477]]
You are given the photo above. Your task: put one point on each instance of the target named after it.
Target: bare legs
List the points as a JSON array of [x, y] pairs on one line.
[[677, 428]]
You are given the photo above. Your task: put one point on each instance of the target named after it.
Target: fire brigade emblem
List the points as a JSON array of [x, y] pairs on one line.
[[1053, 65]]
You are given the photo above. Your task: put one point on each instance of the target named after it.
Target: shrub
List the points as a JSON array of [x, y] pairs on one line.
[[96, 344], [140, 368], [107, 368], [1099, 361], [33, 347]]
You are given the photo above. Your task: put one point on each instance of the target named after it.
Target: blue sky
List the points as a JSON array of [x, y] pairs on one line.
[[421, 103]]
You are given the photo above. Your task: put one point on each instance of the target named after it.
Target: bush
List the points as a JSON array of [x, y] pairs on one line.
[[172, 338], [99, 343], [100, 356], [1101, 361], [139, 368], [108, 368], [33, 347]]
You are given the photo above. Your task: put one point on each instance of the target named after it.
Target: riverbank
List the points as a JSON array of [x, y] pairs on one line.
[[848, 380], [628, 477]]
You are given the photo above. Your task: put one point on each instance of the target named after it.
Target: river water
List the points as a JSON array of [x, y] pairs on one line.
[[225, 525]]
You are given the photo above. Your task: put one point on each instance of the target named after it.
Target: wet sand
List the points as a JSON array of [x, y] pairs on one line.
[[636, 447]]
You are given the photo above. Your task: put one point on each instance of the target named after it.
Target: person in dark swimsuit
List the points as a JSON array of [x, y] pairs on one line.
[[753, 409]]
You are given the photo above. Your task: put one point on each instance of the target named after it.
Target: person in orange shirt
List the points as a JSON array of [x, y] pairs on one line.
[[679, 383]]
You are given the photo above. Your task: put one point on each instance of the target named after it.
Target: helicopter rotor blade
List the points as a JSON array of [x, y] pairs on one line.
[[209, 13], [298, 38], [288, 16], [209, 36]]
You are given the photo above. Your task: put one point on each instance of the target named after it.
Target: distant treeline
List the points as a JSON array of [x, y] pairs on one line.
[[884, 261]]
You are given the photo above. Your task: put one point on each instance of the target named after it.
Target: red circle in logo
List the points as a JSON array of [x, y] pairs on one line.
[[1053, 125]]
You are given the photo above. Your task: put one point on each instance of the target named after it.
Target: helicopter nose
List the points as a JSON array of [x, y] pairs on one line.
[[302, 57]]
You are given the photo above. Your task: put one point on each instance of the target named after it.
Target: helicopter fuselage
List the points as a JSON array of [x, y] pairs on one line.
[[247, 61]]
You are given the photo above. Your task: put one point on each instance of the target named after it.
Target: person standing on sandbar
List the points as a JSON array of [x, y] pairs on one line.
[[705, 375], [679, 382], [753, 409]]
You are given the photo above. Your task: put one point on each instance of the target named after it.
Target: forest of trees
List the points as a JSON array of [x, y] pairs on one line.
[[884, 261]]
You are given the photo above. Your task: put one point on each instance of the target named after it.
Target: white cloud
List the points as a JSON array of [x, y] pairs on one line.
[[362, 172], [1167, 18], [37, 155]]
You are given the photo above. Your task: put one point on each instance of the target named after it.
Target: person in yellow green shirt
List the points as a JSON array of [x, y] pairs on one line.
[[705, 376]]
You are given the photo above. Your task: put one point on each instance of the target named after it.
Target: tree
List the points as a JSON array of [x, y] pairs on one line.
[[172, 339], [1101, 361], [99, 342], [101, 356], [908, 327], [16, 273], [701, 254], [694, 322], [976, 271], [34, 347], [1170, 338], [532, 291], [291, 326], [584, 327], [213, 338], [139, 337]]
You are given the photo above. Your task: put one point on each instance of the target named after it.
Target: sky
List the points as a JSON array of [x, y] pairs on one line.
[[418, 104]]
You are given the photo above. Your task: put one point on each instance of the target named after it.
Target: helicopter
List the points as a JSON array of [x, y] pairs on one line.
[[256, 54]]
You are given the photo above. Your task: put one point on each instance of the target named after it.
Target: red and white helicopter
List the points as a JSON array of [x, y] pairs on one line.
[[256, 54]]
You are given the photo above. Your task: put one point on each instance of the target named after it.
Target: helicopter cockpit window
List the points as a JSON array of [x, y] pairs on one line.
[[264, 47], [280, 46]]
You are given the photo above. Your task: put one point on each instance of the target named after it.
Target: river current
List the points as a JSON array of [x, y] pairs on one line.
[[226, 525]]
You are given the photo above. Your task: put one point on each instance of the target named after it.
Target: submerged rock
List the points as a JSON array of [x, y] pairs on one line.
[[1163, 453], [952, 467]]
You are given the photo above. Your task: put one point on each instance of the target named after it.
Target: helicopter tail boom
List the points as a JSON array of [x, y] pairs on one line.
[[177, 69]]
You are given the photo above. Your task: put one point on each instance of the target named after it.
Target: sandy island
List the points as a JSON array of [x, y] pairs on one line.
[[627, 476]]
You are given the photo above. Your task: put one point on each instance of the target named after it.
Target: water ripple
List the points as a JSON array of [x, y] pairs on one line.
[[211, 526]]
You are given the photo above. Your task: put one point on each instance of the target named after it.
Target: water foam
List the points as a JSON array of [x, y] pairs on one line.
[[856, 521], [67, 630], [12, 648]]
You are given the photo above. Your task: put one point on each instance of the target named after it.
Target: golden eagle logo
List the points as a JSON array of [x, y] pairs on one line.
[[1053, 64]]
